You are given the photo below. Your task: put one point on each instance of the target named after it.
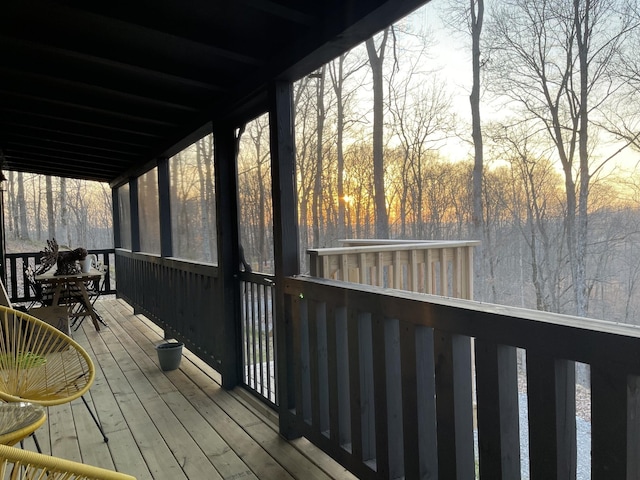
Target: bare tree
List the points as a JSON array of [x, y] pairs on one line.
[[421, 113], [255, 199], [316, 199], [340, 72], [23, 230], [548, 61], [51, 224], [64, 212], [204, 163], [376, 61], [476, 9], [534, 201], [622, 117]]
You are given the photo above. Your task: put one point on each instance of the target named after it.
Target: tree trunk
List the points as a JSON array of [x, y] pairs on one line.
[[338, 86], [477, 14], [51, 223], [204, 217], [64, 214], [210, 190], [22, 209], [583, 28], [317, 184], [376, 60]]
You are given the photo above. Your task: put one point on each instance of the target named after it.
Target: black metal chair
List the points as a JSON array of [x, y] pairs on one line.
[[38, 296]]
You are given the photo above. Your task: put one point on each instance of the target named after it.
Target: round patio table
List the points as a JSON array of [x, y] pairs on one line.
[[19, 420]]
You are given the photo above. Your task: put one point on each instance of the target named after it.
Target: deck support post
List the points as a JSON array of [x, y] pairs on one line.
[[226, 179], [164, 199], [285, 239]]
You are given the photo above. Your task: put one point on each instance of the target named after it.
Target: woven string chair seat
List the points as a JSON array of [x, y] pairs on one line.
[[39, 363]]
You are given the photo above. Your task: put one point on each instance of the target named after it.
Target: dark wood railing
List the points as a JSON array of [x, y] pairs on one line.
[[180, 296], [15, 275], [382, 382]]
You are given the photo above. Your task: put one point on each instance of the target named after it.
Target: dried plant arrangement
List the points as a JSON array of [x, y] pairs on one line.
[[64, 260]]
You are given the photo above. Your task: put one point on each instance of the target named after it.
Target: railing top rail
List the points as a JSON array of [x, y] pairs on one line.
[[390, 246], [561, 336]]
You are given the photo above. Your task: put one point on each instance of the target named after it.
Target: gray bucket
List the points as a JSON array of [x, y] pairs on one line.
[[169, 355]]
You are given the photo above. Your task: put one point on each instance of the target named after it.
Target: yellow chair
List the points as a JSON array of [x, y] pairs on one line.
[[16, 464], [40, 364]]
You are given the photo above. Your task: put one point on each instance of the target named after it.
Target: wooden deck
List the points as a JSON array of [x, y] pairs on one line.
[[170, 425]]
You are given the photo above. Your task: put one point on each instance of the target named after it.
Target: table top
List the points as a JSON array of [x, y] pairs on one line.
[[19, 420], [50, 276]]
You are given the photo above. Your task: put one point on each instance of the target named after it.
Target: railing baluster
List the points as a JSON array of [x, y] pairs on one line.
[[343, 366], [322, 369], [394, 447], [254, 333], [615, 420], [379, 270], [314, 313], [362, 268], [498, 411], [454, 405], [552, 417], [397, 270], [426, 397], [270, 392], [300, 352], [412, 276], [412, 406], [333, 403], [304, 398], [245, 336], [367, 387], [260, 321], [355, 398]]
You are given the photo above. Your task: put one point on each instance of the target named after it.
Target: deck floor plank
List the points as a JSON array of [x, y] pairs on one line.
[[231, 433], [170, 425]]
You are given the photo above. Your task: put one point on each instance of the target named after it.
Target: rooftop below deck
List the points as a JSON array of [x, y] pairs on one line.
[[170, 425]]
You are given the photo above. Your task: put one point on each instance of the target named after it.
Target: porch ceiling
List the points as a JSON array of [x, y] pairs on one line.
[[97, 90]]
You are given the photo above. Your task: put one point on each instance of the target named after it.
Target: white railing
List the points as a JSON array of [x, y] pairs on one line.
[[437, 267]]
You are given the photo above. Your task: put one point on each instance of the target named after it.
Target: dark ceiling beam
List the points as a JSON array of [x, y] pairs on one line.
[[77, 125], [64, 140], [41, 104], [57, 88], [100, 69], [16, 160], [279, 10], [60, 25], [35, 144], [228, 25], [74, 158], [58, 171]]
